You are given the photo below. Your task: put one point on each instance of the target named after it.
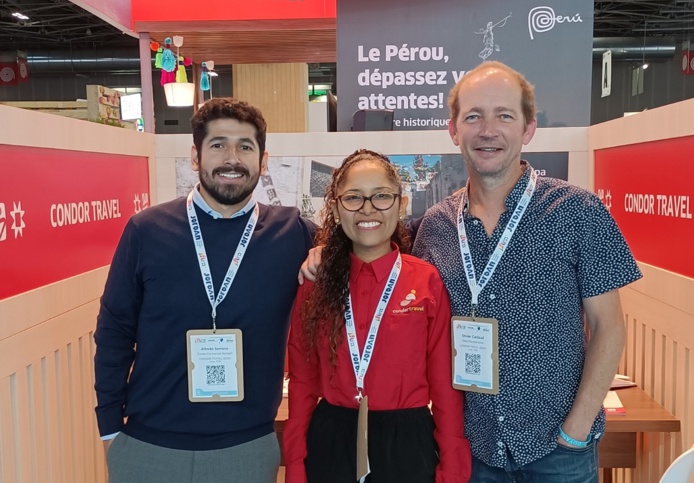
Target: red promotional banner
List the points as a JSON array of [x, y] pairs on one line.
[[179, 10], [688, 62], [648, 189], [9, 75], [62, 212], [22, 69]]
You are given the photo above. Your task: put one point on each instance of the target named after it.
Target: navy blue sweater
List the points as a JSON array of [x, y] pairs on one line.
[[155, 293]]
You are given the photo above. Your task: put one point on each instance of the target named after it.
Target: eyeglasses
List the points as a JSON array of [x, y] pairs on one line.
[[380, 201]]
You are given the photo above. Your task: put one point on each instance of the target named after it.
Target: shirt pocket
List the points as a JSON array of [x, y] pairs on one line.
[[406, 337]]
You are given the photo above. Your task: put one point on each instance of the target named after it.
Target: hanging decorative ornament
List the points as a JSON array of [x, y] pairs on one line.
[[187, 61], [181, 75], [168, 77], [178, 91], [158, 58], [168, 61], [154, 46], [204, 78], [210, 68]]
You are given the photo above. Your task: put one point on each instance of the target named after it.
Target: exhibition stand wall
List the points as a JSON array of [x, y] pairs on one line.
[[47, 424]]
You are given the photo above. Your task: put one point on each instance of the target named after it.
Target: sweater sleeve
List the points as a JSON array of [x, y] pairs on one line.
[[304, 381], [447, 404], [116, 329]]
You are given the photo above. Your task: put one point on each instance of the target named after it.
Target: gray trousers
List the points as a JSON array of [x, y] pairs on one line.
[[132, 461]]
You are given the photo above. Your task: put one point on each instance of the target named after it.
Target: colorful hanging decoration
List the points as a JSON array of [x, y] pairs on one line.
[[168, 77], [156, 48], [181, 75], [165, 55], [168, 61], [204, 78], [158, 57]]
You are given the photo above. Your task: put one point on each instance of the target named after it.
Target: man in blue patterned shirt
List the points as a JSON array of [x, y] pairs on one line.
[[563, 266]]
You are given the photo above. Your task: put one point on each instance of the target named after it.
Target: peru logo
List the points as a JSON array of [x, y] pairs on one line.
[[543, 19]]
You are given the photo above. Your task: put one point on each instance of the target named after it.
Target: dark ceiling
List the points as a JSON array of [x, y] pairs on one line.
[[644, 18], [56, 24]]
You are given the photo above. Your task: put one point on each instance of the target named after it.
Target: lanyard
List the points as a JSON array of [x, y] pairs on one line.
[[475, 286], [361, 364], [204, 263]]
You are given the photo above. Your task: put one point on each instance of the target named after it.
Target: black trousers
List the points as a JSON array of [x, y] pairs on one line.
[[402, 448]]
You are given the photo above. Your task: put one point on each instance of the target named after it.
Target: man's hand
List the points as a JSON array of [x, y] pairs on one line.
[[107, 445], [309, 268]]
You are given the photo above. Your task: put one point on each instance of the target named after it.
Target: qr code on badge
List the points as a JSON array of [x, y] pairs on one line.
[[215, 375], [473, 363]]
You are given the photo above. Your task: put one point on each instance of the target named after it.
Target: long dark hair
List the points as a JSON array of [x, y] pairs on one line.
[[323, 310]]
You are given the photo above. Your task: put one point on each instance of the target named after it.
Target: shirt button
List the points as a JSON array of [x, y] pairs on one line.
[[361, 326], [492, 296], [501, 419], [500, 444], [475, 222], [500, 452]]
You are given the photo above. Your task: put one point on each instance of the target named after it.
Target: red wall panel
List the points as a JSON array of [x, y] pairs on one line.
[[649, 189], [178, 10], [62, 212]]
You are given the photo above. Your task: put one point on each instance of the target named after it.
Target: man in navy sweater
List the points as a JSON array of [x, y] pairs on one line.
[[211, 262]]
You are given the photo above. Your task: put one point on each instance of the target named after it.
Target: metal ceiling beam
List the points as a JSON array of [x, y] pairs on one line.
[[664, 29]]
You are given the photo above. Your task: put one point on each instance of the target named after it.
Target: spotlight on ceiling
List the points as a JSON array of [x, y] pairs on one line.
[[20, 16]]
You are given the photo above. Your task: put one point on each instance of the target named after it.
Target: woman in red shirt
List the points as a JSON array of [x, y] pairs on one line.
[[375, 324]]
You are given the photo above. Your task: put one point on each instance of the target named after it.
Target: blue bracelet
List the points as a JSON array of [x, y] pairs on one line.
[[572, 441]]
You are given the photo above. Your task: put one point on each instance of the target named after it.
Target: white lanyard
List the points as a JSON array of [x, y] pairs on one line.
[[204, 262], [361, 364], [475, 286]]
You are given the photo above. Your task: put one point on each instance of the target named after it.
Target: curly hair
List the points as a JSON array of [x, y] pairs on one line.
[[228, 108], [323, 310]]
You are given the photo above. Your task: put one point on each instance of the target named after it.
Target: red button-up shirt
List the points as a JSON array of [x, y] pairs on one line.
[[410, 366]]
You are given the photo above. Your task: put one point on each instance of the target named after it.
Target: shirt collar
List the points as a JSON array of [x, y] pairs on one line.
[[202, 204], [514, 196], [381, 267]]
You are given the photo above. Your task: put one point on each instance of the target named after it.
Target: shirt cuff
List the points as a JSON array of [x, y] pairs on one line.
[[109, 437]]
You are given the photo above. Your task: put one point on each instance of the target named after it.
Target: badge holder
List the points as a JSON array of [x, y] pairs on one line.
[[475, 354], [215, 365], [363, 468]]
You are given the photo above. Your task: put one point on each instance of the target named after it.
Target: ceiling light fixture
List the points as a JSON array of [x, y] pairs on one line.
[[20, 16]]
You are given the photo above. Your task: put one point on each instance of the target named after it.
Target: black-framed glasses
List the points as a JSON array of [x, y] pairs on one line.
[[380, 201]]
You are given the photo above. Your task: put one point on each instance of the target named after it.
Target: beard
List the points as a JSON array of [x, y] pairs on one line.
[[228, 194]]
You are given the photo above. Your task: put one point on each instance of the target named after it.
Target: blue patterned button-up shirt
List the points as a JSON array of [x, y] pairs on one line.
[[566, 248]]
